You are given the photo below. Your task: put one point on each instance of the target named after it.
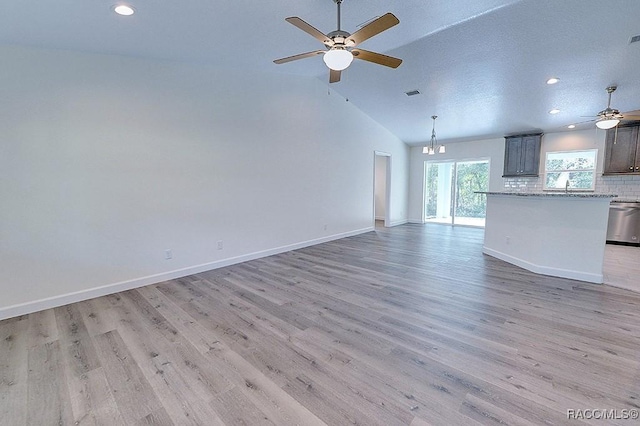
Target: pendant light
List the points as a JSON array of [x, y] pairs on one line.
[[433, 145]]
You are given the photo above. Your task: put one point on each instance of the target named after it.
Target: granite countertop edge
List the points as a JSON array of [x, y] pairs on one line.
[[549, 194]]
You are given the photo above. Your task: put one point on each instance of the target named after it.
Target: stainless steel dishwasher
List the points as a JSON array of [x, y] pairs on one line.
[[624, 222]]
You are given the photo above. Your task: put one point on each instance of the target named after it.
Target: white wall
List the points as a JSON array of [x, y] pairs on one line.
[[492, 149], [108, 161]]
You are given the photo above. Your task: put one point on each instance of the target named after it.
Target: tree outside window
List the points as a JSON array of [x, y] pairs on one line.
[[570, 170]]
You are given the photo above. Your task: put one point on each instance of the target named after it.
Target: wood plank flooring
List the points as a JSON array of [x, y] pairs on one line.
[[411, 325], [622, 266]]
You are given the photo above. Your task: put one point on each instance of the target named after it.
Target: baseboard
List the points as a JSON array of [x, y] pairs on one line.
[[379, 217], [65, 299], [398, 222], [545, 270]]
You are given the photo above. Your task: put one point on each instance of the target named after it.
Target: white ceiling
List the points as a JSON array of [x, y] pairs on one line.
[[480, 65]]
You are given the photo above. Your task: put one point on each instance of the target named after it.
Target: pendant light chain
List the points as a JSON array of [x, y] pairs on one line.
[[433, 132]]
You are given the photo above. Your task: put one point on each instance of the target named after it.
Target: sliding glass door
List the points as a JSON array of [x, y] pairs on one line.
[[450, 188], [439, 182], [471, 208]]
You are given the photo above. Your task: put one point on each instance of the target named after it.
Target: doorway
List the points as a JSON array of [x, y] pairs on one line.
[[381, 188], [450, 188]]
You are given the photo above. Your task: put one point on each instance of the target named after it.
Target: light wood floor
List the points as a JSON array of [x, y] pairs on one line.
[[405, 326], [622, 266]]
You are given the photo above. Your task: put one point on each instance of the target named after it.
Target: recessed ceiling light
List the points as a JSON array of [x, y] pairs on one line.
[[124, 10], [571, 126], [554, 111], [553, 80]]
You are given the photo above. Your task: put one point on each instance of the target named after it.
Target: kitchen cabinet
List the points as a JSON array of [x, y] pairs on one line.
[[522, 155], [622, 150]]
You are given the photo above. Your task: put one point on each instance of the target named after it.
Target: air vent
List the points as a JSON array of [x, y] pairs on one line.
[[634, 39], [412, 93]]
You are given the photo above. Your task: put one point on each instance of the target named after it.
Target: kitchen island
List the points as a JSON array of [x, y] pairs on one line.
[[557, 234]]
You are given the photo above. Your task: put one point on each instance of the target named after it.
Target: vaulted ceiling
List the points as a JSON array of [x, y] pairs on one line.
[[479, 65]]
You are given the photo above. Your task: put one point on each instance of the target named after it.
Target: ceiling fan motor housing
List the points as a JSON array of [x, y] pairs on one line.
[[340, 37], [609, 112]]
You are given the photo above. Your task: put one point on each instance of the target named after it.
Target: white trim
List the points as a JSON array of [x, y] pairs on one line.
[[78, 296], [398, 222], [387, 195], [545, 270], [423, 210]]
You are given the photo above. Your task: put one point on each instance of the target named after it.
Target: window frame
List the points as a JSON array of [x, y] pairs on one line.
[[577, 152]]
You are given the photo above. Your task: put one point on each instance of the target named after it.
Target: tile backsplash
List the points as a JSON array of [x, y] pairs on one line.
[[625, 186], [523, 184]]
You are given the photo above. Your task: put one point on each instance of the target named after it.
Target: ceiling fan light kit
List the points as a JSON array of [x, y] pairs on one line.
[[340, 44], [607, 123], [338, 58]]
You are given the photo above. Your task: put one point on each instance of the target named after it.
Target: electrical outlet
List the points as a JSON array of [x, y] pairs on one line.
[[324, 227], [220, 245], [508, 240], [168, 254]]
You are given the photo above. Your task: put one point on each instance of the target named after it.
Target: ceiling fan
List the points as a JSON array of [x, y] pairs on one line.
[[340, 45], [610, 117]]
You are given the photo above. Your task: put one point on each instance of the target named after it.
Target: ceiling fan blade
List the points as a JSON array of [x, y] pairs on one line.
[[376, 58], [309, 29], [631, 115], [334, 76], [300, 56], [565, 127], [578, 123], [374, 27]]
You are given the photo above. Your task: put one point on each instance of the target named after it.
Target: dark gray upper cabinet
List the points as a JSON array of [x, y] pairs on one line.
[[522, 155], [622, 152]]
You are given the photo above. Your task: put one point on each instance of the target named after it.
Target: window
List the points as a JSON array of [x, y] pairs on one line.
[[572, 170]]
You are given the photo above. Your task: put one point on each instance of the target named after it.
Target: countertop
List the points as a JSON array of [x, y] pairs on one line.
[[550, 194], [625, 200]]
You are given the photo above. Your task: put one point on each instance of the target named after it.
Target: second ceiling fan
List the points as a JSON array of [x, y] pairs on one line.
[[610, 117], [340, 45]]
